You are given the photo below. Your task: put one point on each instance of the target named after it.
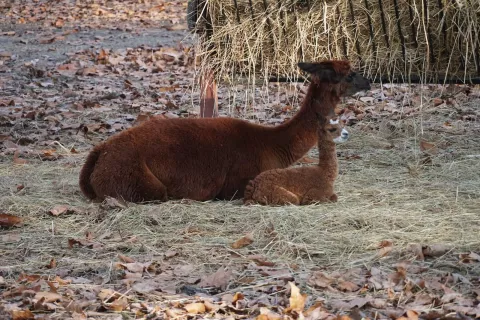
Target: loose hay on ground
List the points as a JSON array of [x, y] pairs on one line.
[[380, 197]]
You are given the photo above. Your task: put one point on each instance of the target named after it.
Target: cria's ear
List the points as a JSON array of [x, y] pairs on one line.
[[323, 71]]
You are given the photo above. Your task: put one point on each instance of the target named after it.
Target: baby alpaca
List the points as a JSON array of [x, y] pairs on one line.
[[305, 185]]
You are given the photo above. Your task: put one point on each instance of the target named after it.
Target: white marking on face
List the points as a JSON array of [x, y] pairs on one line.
[[342, 137], [334, 121]]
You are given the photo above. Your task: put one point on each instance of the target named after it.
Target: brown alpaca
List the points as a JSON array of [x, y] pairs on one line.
[[204, 159], [304, 185]]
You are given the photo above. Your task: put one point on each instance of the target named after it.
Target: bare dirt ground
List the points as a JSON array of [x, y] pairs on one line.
[[401, 242]]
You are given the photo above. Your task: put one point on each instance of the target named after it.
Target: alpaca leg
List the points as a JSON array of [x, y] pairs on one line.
[[281, 196], [149, 188], [248, 193], [140, 185], [316, 195]]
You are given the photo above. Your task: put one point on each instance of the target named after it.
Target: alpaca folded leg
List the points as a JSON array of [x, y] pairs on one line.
[[274, 196], [281, 196], [142, 185], [316, 195], [149, 188]]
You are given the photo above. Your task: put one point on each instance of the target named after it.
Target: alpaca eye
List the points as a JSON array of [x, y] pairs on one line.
[[332, 130]]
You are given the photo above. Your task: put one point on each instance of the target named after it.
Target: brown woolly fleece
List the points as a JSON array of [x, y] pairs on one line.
[[205, 159], [305, 185]]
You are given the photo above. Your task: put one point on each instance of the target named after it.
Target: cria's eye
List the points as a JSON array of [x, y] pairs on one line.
[[332, 129]]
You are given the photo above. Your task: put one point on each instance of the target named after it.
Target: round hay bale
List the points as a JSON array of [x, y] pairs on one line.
[[392, 40]]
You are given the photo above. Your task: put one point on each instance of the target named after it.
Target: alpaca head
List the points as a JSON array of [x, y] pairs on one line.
[[334, 130], [336, 75]]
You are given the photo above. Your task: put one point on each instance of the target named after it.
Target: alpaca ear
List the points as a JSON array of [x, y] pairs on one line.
[[323, 71]]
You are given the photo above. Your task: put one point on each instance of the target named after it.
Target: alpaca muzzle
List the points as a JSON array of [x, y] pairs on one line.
[[343, 137]]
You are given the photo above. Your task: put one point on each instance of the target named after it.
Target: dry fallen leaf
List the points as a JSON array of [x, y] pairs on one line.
[[320, 280], [417, 250], [435, 250], [316, 311], [261, 261], [22, 315], [397, 277], [28, 277], [17, 160], [219, 279], [266, 314], [437, 101], [88, 71], [51, 39], [107, 294], [210, 307], [422, 299], [347, 286], [449, 297], [238, 296], [428, 147], [102, 56], [243, 242], [411, 315], [359, 302], [119, 304], [470, 257], [144, 287], [385, 250], [8, 220], [62, 282], [385, 243], [195, 308], [48, 296], [174, 313], [84, 243], [58, 210], [79, 316], [297, 300], [125, 259], [134, 266], [378, 303], [59, 23], [52, 264]]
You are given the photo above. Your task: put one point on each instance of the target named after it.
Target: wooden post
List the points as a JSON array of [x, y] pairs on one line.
[[208, 96]]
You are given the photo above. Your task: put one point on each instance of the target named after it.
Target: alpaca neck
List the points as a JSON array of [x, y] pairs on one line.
[[327, 158], [327, 152], [294, 138], [324, 97]]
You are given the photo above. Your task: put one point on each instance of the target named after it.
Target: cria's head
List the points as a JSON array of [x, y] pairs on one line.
[[333, 129], [338, 74]]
